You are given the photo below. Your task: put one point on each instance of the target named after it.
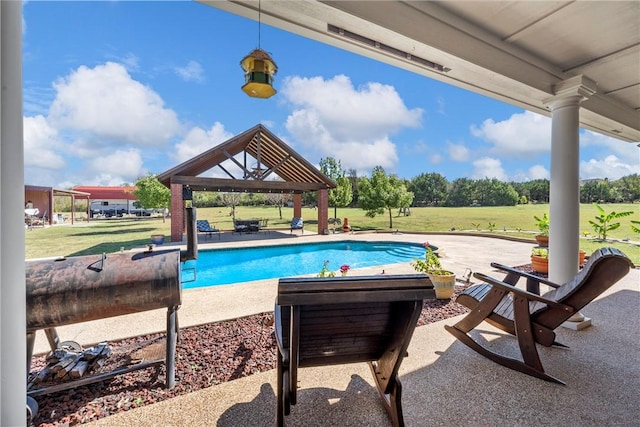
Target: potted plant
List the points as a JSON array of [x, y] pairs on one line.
[[344, 269], [543, 230], [540, 259], [443, 280]]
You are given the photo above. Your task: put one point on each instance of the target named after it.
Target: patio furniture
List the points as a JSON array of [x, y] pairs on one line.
[[262, 226], [254, 225], [203, 226], [246, 225], [527, 315], [330, 321], [240, 226], [297, 224]]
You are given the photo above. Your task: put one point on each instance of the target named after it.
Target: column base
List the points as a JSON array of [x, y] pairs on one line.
[[577, 326]]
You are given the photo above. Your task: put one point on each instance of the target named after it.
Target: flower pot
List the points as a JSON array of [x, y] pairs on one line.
[[542, 240], [540, 264], [157, 239], [443, 285], [581, 255]]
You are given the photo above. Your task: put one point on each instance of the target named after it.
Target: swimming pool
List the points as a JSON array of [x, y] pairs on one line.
[[225, 266]]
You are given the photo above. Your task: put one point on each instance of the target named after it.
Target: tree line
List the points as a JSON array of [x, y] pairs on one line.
[[433, 189], [381, 193]]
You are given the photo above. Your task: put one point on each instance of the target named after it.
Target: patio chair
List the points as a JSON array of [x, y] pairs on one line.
[[331, 321], [297, 224], [527, 315], [203, 226], [240, 226]]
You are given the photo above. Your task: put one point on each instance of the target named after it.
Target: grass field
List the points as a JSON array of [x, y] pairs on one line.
[[110, 235]]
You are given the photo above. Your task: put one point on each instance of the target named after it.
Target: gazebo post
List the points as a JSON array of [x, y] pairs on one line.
[[297, 205], [323, 211], [177, 213]]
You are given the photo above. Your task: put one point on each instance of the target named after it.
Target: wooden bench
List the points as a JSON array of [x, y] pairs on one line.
[[330, 321]]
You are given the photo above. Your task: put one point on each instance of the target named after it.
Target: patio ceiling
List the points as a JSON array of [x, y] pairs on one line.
[[514, 51], [265, 157]]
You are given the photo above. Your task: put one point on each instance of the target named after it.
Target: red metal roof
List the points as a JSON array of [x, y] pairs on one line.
[[111, 193]]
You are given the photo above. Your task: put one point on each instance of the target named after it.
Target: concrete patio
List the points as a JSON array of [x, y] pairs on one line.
[[444, 382]]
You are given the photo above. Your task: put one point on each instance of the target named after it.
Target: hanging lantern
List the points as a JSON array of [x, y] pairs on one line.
[[259, 70]]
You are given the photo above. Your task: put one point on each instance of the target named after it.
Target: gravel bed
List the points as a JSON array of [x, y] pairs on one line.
[[206, 355]]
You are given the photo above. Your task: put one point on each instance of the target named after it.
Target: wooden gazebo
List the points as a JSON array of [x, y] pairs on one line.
[[262, 157]]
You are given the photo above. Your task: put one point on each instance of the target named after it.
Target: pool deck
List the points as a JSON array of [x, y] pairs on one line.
[[444, 382], [206, 305]]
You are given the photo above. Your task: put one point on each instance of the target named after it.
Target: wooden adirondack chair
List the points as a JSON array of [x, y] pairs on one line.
[[330, 321], [527, 315]]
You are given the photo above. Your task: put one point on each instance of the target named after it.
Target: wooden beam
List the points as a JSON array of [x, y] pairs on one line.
[[250, 186]]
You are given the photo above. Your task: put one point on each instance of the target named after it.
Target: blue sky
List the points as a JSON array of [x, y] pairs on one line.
[[115, 90]]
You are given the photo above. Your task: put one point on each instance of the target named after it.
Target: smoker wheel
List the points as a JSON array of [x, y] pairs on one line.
[[32, 410]]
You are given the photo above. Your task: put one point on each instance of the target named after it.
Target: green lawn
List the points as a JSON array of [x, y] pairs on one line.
[[110, 235]]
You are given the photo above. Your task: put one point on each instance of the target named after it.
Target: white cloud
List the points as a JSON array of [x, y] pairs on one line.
[[122, 165], [522, 134], [435, 159], [488, 167], [192, 72], [610, 167], [607, 157], [332, 118], [418, 147], [40, 143], [130, 61], [458, 152], [199, 140], [538, 172], [106, 103]]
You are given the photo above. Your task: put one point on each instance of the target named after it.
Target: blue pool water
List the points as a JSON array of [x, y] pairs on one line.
[[226, 266]]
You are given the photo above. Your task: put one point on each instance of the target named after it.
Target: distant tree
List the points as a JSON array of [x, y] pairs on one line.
[[539, 190], [493, 192], [232, 200], [383, 192], [152, 194], [205, 199], [352, 176], [596, 191], [628, 188], [341, 196], [461, 193], [278, 200], [428, 189], [310, 198]]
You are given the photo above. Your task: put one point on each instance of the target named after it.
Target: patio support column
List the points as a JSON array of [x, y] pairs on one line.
[[297, 205], [323, 210], [177, 213], [564, 200], [13, 317]]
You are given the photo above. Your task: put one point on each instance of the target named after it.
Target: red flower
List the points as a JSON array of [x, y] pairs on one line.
[[344, 268]]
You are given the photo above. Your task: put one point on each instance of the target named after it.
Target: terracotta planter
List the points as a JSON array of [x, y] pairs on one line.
[[581, 255], [443, 285], [540, 264], [543, 241]]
